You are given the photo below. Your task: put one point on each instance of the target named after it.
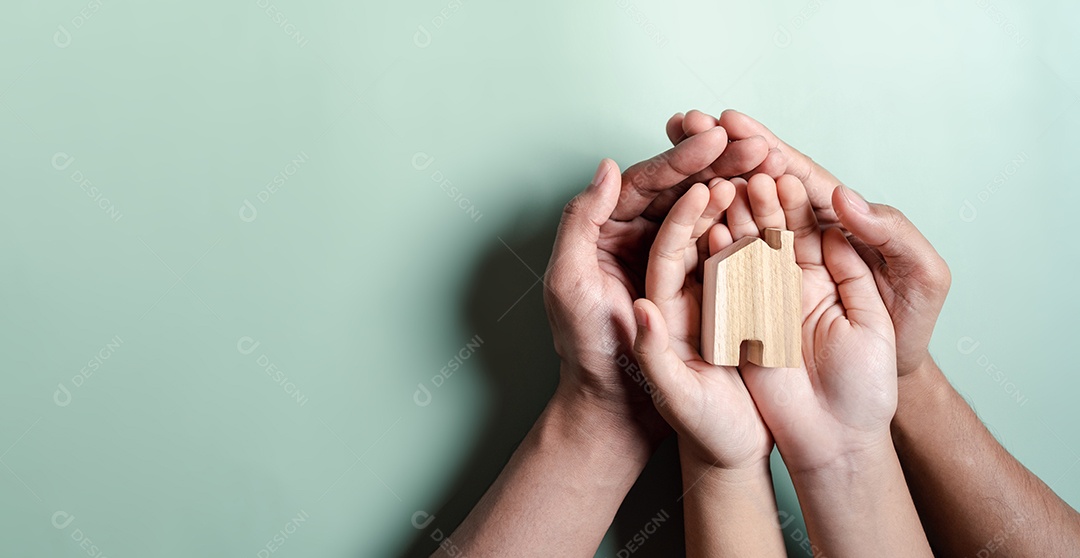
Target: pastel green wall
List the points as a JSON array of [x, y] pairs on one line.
[[360, 276]]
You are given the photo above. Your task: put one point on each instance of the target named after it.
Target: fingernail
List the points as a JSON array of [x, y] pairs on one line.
[[601, 172], [854, 199], [642, 317]]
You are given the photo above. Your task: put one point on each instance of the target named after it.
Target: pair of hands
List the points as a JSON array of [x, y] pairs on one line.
[[843, 400]]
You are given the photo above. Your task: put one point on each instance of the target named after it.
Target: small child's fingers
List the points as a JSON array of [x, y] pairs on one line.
[[764, 202], [740, 220], [800, 219], [665, 273], [721, 192], [719, 238], [774, 164]]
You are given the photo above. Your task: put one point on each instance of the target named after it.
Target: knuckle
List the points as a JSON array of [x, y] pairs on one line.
[[938, 274], [573, 208]]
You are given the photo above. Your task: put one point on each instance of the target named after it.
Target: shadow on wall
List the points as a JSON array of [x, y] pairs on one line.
[[503, 304], [521, 369]]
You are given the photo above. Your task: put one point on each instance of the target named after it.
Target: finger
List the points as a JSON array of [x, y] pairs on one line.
[[674, 128], [741, 157], [774, 164], [669, 376], [800, 220], [764, 202], [719, 238], [740, 220], [855, 283], [697, 122], [666, 271], [888, 232], [819, 182], [579, 228], [738, 157], [721, 192], [644, 181]]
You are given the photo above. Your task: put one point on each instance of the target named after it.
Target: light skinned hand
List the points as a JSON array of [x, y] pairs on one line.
[[707, 405], [843, 398]]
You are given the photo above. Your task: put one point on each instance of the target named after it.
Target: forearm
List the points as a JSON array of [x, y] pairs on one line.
[[859, 505], [560, 490], [730, 512], [972, 495]]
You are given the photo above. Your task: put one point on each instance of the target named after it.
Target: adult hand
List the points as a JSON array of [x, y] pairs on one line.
[[597, 269]]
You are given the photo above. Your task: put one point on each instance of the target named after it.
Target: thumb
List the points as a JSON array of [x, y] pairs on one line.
[[855, 283], [579, 227], [665, 371], [887, 230]]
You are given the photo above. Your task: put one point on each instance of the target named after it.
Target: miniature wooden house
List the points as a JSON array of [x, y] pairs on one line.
[[753, 293]]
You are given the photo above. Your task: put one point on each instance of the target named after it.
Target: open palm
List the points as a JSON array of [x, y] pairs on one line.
[[708, 405], [844, 395]]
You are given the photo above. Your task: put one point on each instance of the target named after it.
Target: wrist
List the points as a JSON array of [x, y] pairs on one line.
[[859, 505], [919, 394], [729, 509], [587, 421], [698, 471], [859, 460]]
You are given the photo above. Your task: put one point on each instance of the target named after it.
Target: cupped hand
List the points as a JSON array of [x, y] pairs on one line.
[[842, 399], [596, 270], [708, 405]]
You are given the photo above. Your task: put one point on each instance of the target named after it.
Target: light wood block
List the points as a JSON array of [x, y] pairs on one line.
[[753, 293]]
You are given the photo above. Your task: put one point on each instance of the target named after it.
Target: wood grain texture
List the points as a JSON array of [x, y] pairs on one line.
[[753, 293]]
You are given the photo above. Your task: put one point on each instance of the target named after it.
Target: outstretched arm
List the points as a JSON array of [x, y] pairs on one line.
[[972, 494], [559, 492]]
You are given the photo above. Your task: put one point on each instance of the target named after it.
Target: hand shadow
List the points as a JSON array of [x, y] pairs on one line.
[[503, 304]]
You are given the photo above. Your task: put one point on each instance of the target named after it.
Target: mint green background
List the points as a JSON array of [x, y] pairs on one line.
[[361, 278]]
